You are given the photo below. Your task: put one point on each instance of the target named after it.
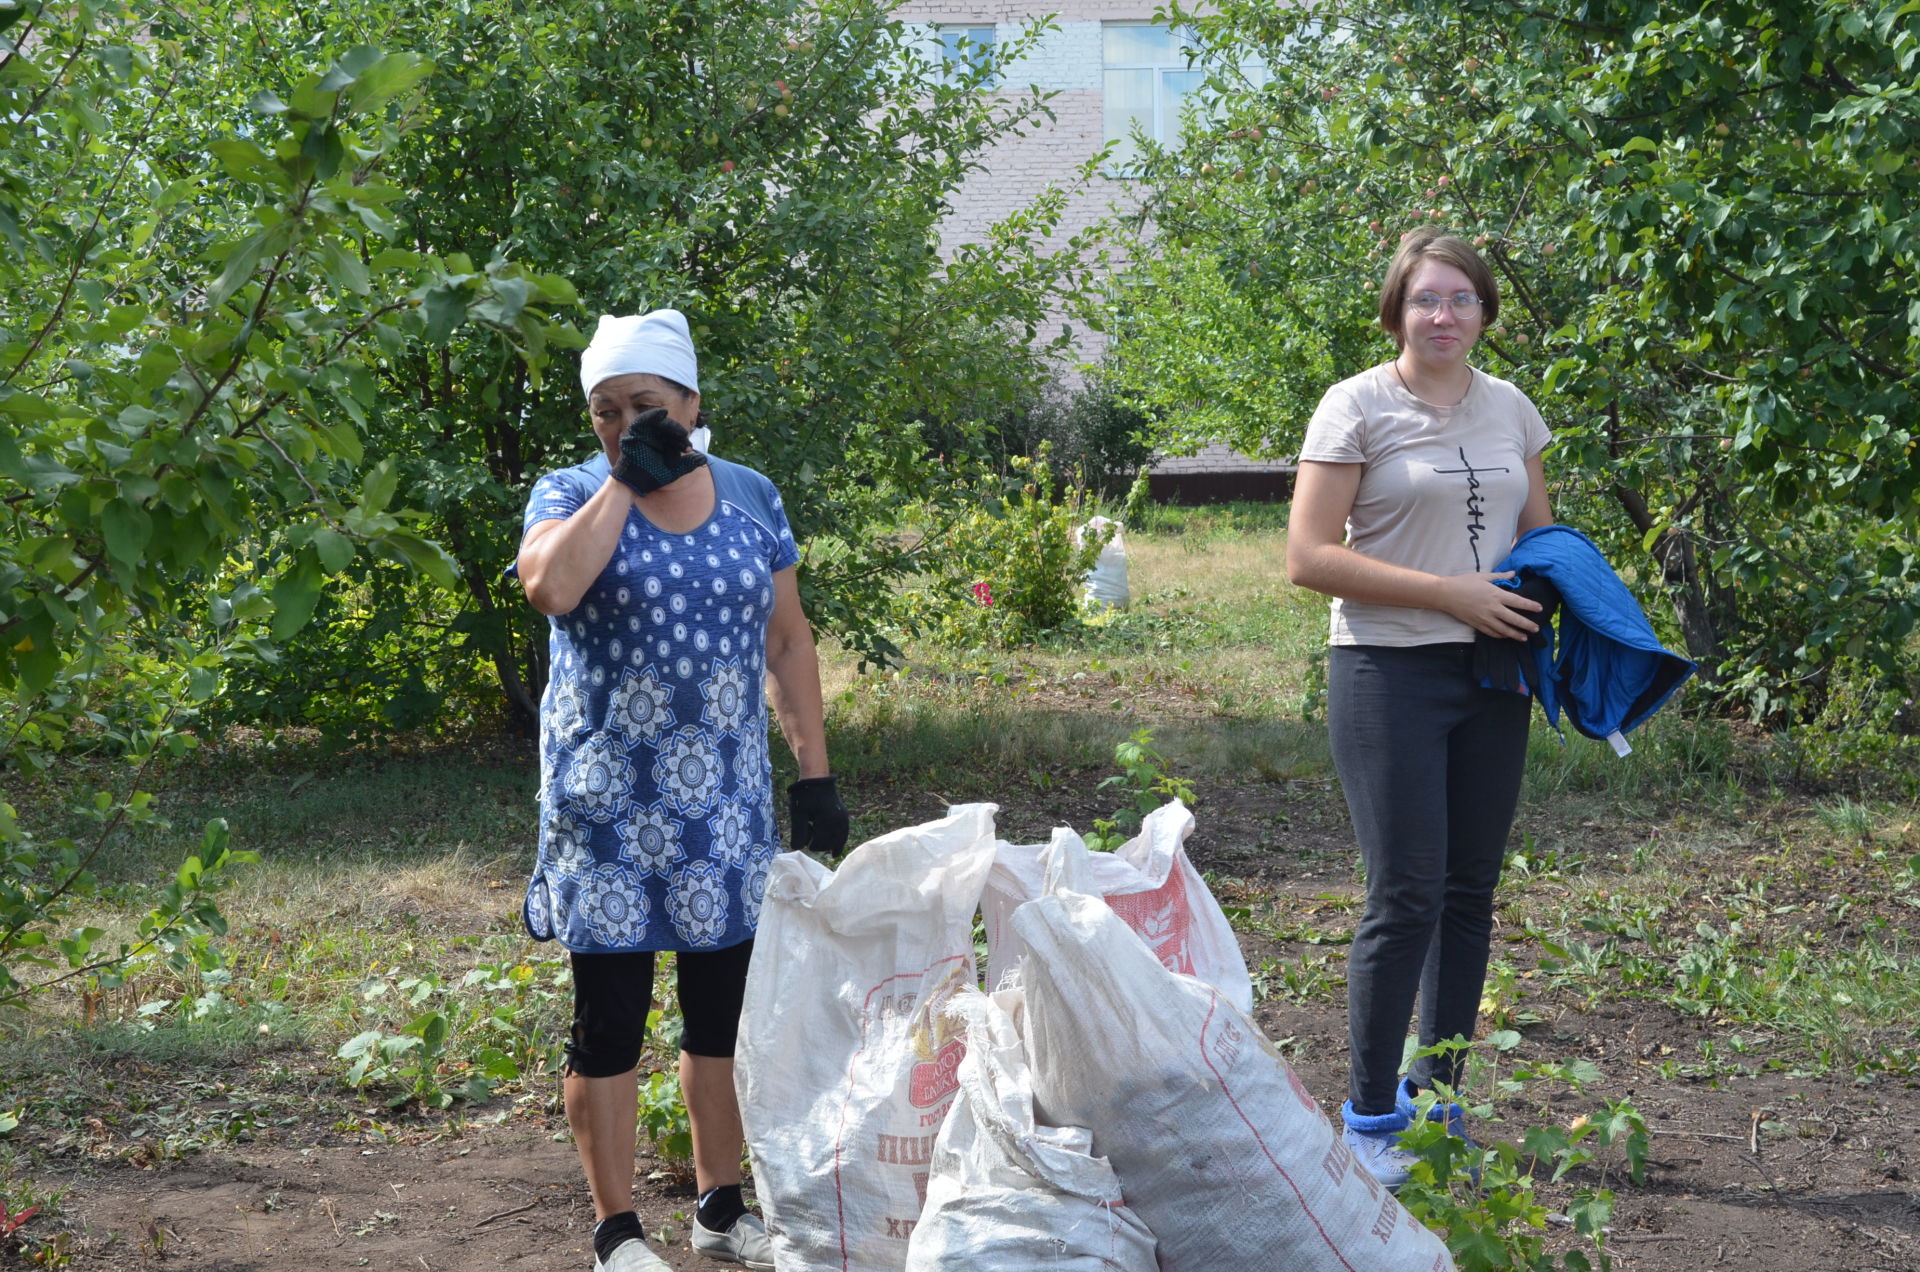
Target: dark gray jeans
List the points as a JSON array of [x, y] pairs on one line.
[[1431, 765]]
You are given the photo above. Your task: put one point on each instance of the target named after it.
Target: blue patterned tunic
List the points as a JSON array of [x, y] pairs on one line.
[[656, 792]]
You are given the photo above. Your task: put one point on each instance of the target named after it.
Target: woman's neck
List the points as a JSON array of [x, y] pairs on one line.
[[681, 506], [1445, 386]]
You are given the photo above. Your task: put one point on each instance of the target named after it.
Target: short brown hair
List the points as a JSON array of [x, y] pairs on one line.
[[1430, 243]]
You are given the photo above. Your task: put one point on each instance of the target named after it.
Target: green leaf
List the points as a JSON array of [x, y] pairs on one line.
[[294, 597], [118, 59], [427, 557], [346, 269], [335, 549], [432, 1028], [389, 77], [267, 102], [445, 308], [35, 472], [126, 528], [359, 1045], [377, 491], [246, 160], [244, 260]]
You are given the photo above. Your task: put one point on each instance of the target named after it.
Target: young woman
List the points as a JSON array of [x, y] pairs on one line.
[[669, 581], [1415, 478]]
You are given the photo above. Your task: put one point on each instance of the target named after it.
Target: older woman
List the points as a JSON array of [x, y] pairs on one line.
[[1415, 477], [668, 578]]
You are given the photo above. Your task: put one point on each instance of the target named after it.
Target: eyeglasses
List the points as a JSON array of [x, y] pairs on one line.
[[1464, 304]]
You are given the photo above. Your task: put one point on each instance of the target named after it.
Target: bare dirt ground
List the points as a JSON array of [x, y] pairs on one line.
[[1833, 1196], [1748, 1171]]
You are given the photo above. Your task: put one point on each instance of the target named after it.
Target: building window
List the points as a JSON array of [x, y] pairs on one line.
[[1146, 79], [966, 47]]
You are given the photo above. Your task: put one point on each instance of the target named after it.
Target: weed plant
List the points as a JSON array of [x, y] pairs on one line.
[[1486, 1199]]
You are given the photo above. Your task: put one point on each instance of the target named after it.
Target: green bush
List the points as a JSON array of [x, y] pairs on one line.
[[1484, 1200], [381, 657], [1007, 570], [497, 1025], [1864, 737], [663, 1116]]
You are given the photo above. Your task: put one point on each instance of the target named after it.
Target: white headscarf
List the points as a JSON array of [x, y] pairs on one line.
[[656, 343]]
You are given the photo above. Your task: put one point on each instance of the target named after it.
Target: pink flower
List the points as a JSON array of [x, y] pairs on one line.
[[982, 594]]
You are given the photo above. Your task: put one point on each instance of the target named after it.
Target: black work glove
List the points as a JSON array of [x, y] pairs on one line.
[[818, 818], [1500, 663], [655, 450]]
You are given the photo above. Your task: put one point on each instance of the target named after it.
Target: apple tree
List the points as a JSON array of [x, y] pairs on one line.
[[779, 171], [1705, 221], [196, 322]]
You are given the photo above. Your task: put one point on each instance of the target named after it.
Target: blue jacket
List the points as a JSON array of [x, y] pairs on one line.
[[1606, 668]]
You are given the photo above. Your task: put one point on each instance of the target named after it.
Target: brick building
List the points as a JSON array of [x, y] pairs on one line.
[[1109, 65]]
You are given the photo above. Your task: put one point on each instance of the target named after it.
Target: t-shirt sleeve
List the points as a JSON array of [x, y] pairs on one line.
[[1336, 433], [555, 497], [786, 552], [1538, 438]]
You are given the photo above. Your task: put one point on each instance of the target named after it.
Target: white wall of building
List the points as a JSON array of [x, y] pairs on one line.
[[1068, 62]]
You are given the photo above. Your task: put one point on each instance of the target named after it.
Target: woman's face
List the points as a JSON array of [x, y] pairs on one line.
[[618, 400], [1443, 340]]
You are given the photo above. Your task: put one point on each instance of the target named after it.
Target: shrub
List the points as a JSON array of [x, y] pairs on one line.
[[1007, 570]]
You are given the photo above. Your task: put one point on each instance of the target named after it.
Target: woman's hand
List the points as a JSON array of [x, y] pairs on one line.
[[1479, 602]]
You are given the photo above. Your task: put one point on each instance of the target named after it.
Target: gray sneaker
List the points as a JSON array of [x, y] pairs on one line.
[[633, 1256], [1375, 1140], [746, 1243]]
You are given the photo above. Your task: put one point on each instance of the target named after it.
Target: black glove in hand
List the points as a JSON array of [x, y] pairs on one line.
[[818, 818], [1506, 664], [1499, 663], [1539, 588], [654, 451]]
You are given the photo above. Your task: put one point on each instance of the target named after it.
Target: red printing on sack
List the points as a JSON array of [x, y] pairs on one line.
[[1164, 920], [934, 1080]]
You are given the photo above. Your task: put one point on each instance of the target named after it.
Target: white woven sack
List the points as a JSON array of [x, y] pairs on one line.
[[1008, 1194], [1151, 884], [846, 1065], [1106, 582], [1217, 1144]]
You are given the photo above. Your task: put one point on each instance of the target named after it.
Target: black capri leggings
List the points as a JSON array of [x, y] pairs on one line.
[[612, 994]]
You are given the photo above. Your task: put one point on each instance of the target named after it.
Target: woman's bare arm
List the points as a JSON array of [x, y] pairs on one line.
[[793, 678], [559, 560]]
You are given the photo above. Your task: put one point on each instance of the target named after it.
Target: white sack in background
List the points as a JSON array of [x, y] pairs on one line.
[[846, 1064], [1217, 1144], [1106, 582], [1008, 1194], [1151, 884]]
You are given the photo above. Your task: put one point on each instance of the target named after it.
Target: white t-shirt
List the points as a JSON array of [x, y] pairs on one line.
[[1441, 491]]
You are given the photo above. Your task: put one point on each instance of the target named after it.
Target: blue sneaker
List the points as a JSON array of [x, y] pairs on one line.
[[1452, 1114], [1376, 1142]]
